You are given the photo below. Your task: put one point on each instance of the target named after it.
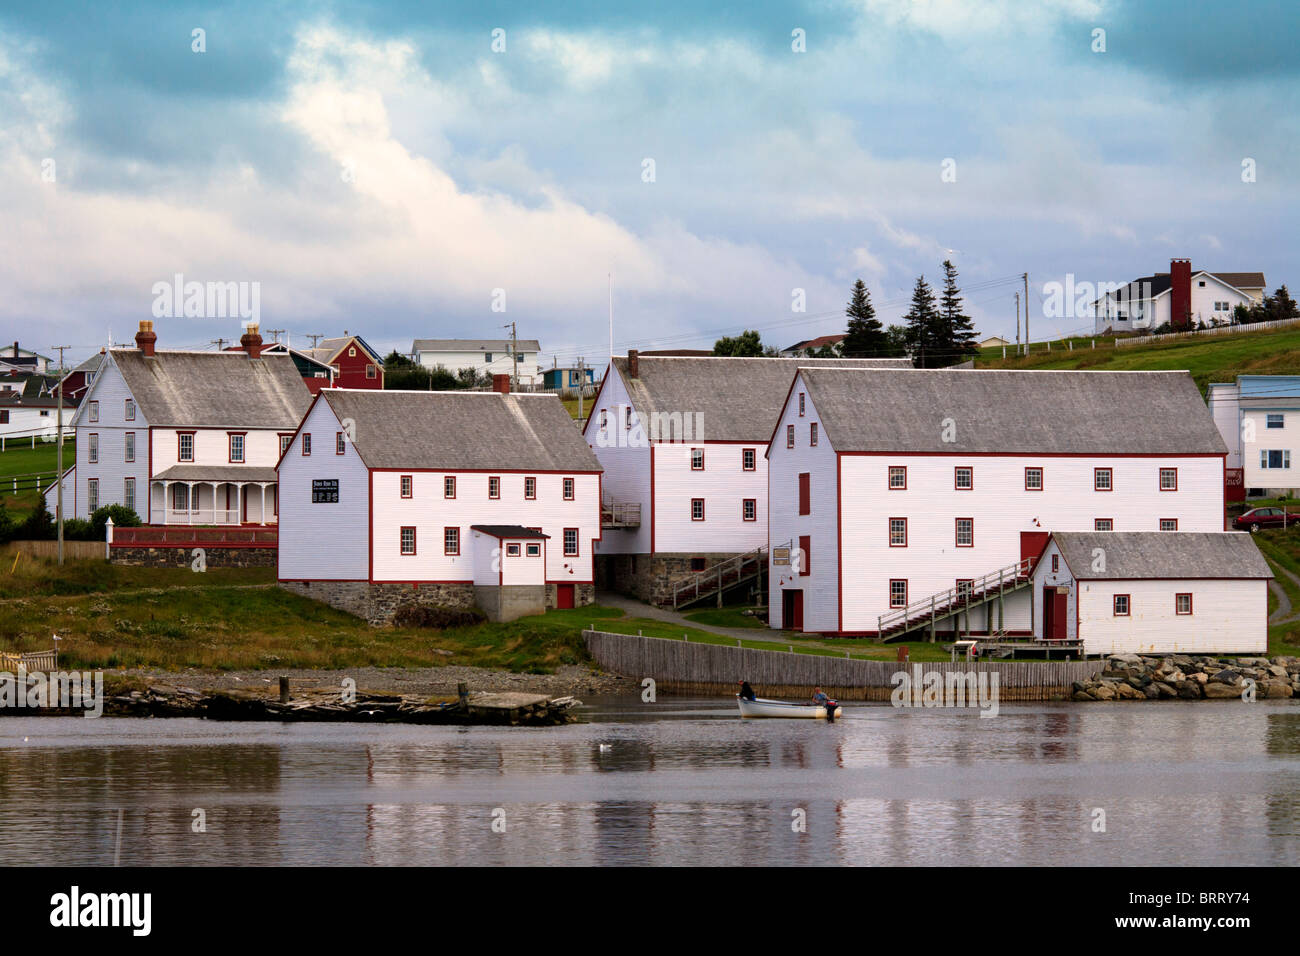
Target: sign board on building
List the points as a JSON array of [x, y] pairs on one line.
[[1234, 484], [781, 556], [324, 490]]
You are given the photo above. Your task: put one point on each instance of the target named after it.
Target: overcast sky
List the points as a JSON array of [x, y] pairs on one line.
[[382, 169]]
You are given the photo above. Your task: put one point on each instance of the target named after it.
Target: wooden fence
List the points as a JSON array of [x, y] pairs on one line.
[[688, 668], [30, 661], [1233, 329], [50, 549]]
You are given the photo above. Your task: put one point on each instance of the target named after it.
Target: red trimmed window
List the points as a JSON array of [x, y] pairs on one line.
[[568, 489], [965, 588], [1120, 605], [1182, 604], [1103, 479], [801, 404], [1168, 524], [533, 550], [340, 444], [1103, 524], [965, 532], [604, 418], [812, 434], [805, 493], [697, 509], [805, 549], [128, 411], [789, 436], [749, 509], [408, 539], [627, 418], [449, 486], [92, 452], [408, 486], [94, 411], [697, 459], [570, 542], [451, 541], [898, 532], [1056, 563], [530, 488], [185, 446], [963, 478], [1168, 479], [128, 451], [898, 592], [494, 487], [748, 460], [512, 550], [1033, 479], [235, 441], [371, 372], [285, 441], [897, 477], [306, 444], [92, 494]]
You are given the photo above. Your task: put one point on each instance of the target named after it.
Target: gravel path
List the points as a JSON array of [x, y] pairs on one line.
[[634, 608]]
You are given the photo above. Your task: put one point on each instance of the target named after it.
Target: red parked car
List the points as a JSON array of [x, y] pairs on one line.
[[1257, 518]]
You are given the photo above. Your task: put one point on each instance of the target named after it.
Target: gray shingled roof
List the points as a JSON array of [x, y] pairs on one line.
[[462, 431], [508, 531], [473, 345], [1162, 554], [740, 398], [1013, 412], [215, 389], [216, 473]]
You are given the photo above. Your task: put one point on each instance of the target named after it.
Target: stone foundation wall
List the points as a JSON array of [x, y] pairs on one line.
[[511, 602], [651, 577], [377, 602], [213, 557], [583, 594]]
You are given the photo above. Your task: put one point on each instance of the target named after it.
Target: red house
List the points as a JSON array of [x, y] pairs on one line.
[[355, 363]]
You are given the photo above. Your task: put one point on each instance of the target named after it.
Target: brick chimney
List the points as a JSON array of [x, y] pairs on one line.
[[633, 364], [251, 342], [145, 338], [501, 383], [1180, 293]]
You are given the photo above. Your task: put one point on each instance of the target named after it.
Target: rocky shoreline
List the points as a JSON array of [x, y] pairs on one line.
[[1181, 677]]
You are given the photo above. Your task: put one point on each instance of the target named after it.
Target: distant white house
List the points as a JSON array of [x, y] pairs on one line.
[[16, 357], [184, 437], [1259, 419], [1179, 297], [450, 498], [1145, 592], [485, 356]]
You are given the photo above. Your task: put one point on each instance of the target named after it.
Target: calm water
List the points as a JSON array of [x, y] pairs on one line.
[[682, 782]]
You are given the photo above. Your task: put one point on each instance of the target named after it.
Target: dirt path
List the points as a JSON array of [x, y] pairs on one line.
[[634, 608]]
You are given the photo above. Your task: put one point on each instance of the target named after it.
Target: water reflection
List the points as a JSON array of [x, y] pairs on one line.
[[676, 784]]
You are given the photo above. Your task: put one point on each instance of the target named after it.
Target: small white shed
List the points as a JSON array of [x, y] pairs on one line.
[[1153, 592], [509, 570]]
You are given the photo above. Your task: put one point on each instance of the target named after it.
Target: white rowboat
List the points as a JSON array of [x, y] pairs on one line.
[[762, 707]]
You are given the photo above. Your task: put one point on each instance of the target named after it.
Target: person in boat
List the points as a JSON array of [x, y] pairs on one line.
[[819, 697], [746, 692]]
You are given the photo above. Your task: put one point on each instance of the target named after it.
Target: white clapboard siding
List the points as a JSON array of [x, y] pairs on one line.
[[212, 446], [1044, 576], [430, 513], [723, 484], [1228, 616], [1254, 422], [112, 470], [820, 586], [323, 541], [1223, 401], [626, 459], [1001, 509]]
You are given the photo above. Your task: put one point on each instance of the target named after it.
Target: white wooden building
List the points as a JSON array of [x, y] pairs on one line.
[[1179, 297], [184, 438], [458, 494], [682, 442], [1259, 419], [905, 495], [1143, 592], [487, 357]]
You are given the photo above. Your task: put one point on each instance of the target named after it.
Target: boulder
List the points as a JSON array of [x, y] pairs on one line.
[[1165, 691], [1151, 691], [1276, 689], [1198, 678], [1103, 692], [1226, 676], [1277, 670], [1190, 690], [1217, 690]]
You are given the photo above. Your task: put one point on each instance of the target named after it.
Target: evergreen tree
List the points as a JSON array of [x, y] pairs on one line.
[[1284, 306], [895, 341], [923, 319], [865, 336], [956, 331], [748, 343]]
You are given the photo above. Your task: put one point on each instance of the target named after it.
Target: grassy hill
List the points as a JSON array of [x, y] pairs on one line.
[[1210, 358], [20, 458]]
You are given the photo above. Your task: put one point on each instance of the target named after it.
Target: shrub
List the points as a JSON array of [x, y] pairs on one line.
[[7, 526], [437, 616], [38, 526], [78, 529], [123, 517]]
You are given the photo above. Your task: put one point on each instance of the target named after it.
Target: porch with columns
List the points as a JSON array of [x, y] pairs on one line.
[[231, 495]]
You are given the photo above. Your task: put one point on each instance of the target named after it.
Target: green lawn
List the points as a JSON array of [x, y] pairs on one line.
[[1210, 358], [1282, 550], [20, 458], [726, 617]]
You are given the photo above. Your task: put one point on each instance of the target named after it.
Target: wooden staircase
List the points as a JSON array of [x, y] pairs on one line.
[[721, 577], [939, 608]]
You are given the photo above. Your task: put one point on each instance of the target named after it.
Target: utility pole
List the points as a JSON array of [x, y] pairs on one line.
[[1017, 323], [219, 343], [1026, 277], [315, 339], [275, 335], [514, 357], [611, 319], [58, 454], [582, 385]]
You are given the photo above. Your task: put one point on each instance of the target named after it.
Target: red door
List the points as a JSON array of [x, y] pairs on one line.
[[564, 596], [1054, 612], [792, 609], [1032, 544]]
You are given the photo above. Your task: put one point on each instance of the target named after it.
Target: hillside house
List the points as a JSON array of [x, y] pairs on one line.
[[446, 498], [486, 357], [682, 442], [29, 407], [184, 438], [316, 373], [355, 363], [1180, 298], [1144, 592], [1259, 419], [903, 501]]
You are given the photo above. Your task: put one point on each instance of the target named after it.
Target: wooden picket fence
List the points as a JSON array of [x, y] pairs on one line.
[[31, 661], [690, 668]]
